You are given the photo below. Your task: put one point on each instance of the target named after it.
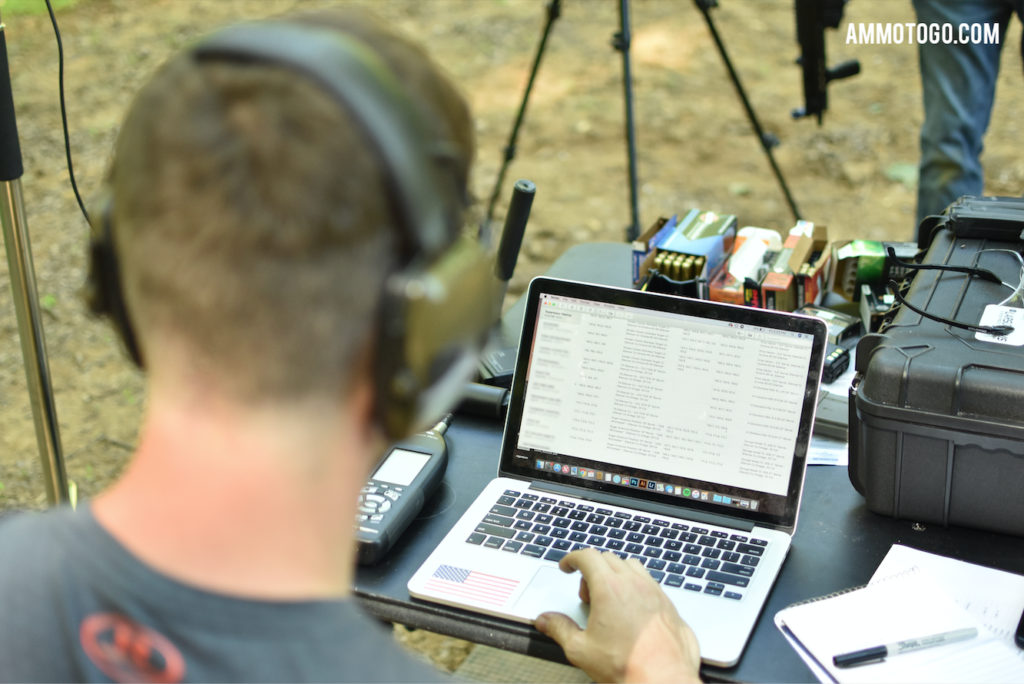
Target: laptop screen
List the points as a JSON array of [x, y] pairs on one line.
[[691, 403]]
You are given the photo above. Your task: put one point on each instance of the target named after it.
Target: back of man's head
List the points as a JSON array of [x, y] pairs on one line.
[[251, 216]]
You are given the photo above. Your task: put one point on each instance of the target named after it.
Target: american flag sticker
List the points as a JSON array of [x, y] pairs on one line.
[[467, 584]]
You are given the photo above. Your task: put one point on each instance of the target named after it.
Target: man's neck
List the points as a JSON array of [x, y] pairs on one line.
[[254, 502]]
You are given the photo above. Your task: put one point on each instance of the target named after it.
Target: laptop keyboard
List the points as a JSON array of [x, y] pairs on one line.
[[688, 557]]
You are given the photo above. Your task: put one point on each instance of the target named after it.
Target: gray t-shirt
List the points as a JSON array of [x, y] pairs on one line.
[[75, 605]]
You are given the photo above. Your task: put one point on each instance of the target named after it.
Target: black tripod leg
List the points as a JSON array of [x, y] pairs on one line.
[[767, 141], [620, 41], [554, 11]]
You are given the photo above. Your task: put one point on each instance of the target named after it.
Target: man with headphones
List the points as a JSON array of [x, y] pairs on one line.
[[278, 247]]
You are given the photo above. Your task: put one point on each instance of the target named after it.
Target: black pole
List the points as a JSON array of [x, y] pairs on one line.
[[10, 148], [767, 140], [554, 11], [515, 227], [620, 41], [24, 292], [512, 233]]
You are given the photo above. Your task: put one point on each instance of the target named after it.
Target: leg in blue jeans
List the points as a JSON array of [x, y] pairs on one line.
[[959, 84]]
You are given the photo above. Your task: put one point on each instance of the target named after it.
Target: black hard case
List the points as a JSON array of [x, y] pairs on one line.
[[936, 416]]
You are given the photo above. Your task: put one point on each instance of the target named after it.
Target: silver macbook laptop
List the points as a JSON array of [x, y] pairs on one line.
[[670, 430]]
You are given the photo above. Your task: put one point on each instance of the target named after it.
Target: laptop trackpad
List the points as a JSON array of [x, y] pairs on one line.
[[553, 590]]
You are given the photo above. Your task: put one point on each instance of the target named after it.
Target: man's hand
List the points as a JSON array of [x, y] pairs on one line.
[[633, 634]]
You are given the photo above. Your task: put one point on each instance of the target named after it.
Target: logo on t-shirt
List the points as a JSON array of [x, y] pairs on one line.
[[129, 652]]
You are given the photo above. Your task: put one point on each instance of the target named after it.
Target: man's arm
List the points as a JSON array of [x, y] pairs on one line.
[[633, 634]]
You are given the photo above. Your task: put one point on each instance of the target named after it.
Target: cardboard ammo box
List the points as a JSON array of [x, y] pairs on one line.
[[812, 277], [779, 287], [739, 283], [726, 288], [704, 235]]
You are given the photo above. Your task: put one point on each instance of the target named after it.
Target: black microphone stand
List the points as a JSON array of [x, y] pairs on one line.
[[26, 297]]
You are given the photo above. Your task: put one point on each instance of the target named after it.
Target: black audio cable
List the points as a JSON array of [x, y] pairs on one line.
[[63, 111]]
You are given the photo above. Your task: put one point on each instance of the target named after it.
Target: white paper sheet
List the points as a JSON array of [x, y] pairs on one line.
[[994, 597], [827, 451], [911, 605]]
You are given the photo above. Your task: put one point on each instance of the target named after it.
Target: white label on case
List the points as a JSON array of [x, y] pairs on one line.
[[1003, 315]]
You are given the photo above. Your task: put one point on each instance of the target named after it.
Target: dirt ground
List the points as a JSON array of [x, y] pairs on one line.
[[696, 149]]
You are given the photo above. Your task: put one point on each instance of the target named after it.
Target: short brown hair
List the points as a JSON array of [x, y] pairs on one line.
[[251, 217]]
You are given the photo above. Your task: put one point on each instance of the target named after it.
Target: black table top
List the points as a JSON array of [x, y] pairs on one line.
[[838, 542]]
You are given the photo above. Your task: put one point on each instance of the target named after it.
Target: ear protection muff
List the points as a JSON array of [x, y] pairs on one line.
[[103, 293], [438, 305]]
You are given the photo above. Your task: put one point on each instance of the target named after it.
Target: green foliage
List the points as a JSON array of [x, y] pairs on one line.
[[48, 302], [10, 8]]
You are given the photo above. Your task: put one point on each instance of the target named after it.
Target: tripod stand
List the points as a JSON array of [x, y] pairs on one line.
[[621, 42]]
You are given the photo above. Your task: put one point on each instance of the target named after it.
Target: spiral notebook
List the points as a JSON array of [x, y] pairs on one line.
[[909, 604]]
